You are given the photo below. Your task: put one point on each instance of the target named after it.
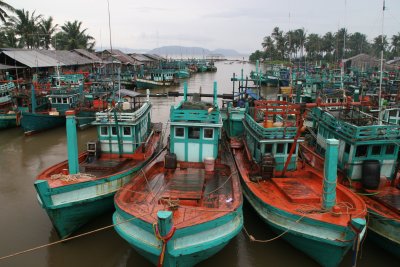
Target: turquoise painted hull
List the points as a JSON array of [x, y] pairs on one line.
[[385, 233], [144, 84], [327, 252], [189, 245], [71, 206], [37, 122], [8, 121]]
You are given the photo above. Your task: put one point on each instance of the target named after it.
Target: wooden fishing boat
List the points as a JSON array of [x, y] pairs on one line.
[[156, 78], [368, 163], [302, 205], [74, 191], [8, 114], [186, 204]]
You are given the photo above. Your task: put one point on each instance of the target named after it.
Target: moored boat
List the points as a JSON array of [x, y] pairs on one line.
[[74, 191], [368, 164], [305, 207], [186, 204]]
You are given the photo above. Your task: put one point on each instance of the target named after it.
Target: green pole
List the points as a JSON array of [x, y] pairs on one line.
[[330, 174], [33, 98], [185, 88], [164, 220], [215, 94], [72, 144]]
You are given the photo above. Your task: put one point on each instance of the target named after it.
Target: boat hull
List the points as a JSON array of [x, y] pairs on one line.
[[384, 232], [304, 234], [37, 122], [189, 245], [72, 206], [8, 121]]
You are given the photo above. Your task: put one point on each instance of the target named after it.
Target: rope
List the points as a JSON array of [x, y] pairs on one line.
[[164, 240], [272, 239], [71, 238], [219, 187]]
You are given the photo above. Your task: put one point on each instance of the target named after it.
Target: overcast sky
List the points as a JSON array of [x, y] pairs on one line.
[[212, 24]]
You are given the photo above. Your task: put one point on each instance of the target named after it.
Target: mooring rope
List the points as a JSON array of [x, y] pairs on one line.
[[71, 238]]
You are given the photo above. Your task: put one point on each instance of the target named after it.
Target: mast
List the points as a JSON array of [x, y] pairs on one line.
[[381, 72]]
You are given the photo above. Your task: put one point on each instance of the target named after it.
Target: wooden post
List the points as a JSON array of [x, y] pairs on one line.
[[72, 144], [330, 174]]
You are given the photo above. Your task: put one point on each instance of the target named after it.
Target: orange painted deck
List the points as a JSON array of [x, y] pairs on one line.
[[194, 195], [103, 167], [300, 192]]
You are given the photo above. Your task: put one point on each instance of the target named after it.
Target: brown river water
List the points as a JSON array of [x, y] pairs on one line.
[[24, 224]]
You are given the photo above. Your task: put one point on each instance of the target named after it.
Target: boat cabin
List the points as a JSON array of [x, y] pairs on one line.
[[361, 139], [195, 128]]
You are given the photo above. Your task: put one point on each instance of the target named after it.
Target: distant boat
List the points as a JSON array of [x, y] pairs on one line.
[[8, 114], [186, 204], [75, 191], [310, 211], [156, 78]]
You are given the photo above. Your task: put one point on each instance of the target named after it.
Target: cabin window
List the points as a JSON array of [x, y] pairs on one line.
[[127, 131], [268, 148], [208, 133], [103, 130], [113, 130], [393, 113], [179, 132], [289, 146], [347, 148], [390, 150], [194, 132], [280, 148], [59, 100], [362, 151], [65, 100], [376, 150]]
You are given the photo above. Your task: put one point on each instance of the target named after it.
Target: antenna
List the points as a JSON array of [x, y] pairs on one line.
[[381, 74]]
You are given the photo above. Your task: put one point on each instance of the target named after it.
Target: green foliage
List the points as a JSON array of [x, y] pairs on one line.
[[331, 47]]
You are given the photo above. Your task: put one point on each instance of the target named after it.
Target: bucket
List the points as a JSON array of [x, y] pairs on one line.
[[268, 124], [65, 171], [209, 164]]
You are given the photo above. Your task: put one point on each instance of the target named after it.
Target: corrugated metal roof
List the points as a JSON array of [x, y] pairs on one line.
[[88, 54], [66, 57], [141, 58], [154, 56], [124, 58], [47, 58], [32, 58]]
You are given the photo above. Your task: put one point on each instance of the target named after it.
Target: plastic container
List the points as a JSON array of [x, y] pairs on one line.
[[170, 161], [371, 170], [209, 164], [268, 124]]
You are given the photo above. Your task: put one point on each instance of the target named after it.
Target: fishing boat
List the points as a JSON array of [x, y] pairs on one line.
[[186, 204], [303, 205], [74, 191], [156, 78], [8, 114], [368, 163]]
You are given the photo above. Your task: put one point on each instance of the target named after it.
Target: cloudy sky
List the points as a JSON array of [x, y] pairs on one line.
[[212, 24]]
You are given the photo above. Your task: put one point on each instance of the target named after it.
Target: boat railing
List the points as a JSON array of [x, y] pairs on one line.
[[283, 132], [122, 116], [195, 115], [355, 132]]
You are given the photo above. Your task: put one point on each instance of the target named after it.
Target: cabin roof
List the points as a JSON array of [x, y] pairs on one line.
[[88, 54]]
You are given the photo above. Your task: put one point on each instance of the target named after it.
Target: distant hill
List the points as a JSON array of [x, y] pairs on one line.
[[184, 50]]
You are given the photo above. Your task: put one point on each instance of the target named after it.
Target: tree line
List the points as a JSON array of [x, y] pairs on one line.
[[23, 29], [330, 47]]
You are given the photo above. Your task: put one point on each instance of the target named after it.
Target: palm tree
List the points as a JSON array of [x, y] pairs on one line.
[[357, 43], [72, 37], [328, 46], [313, 45], [378, 46], [341, 41], [269, 47], [46, 30], [3, 13], [300, 39], [279, 42], [396, 45], [25, 26]]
